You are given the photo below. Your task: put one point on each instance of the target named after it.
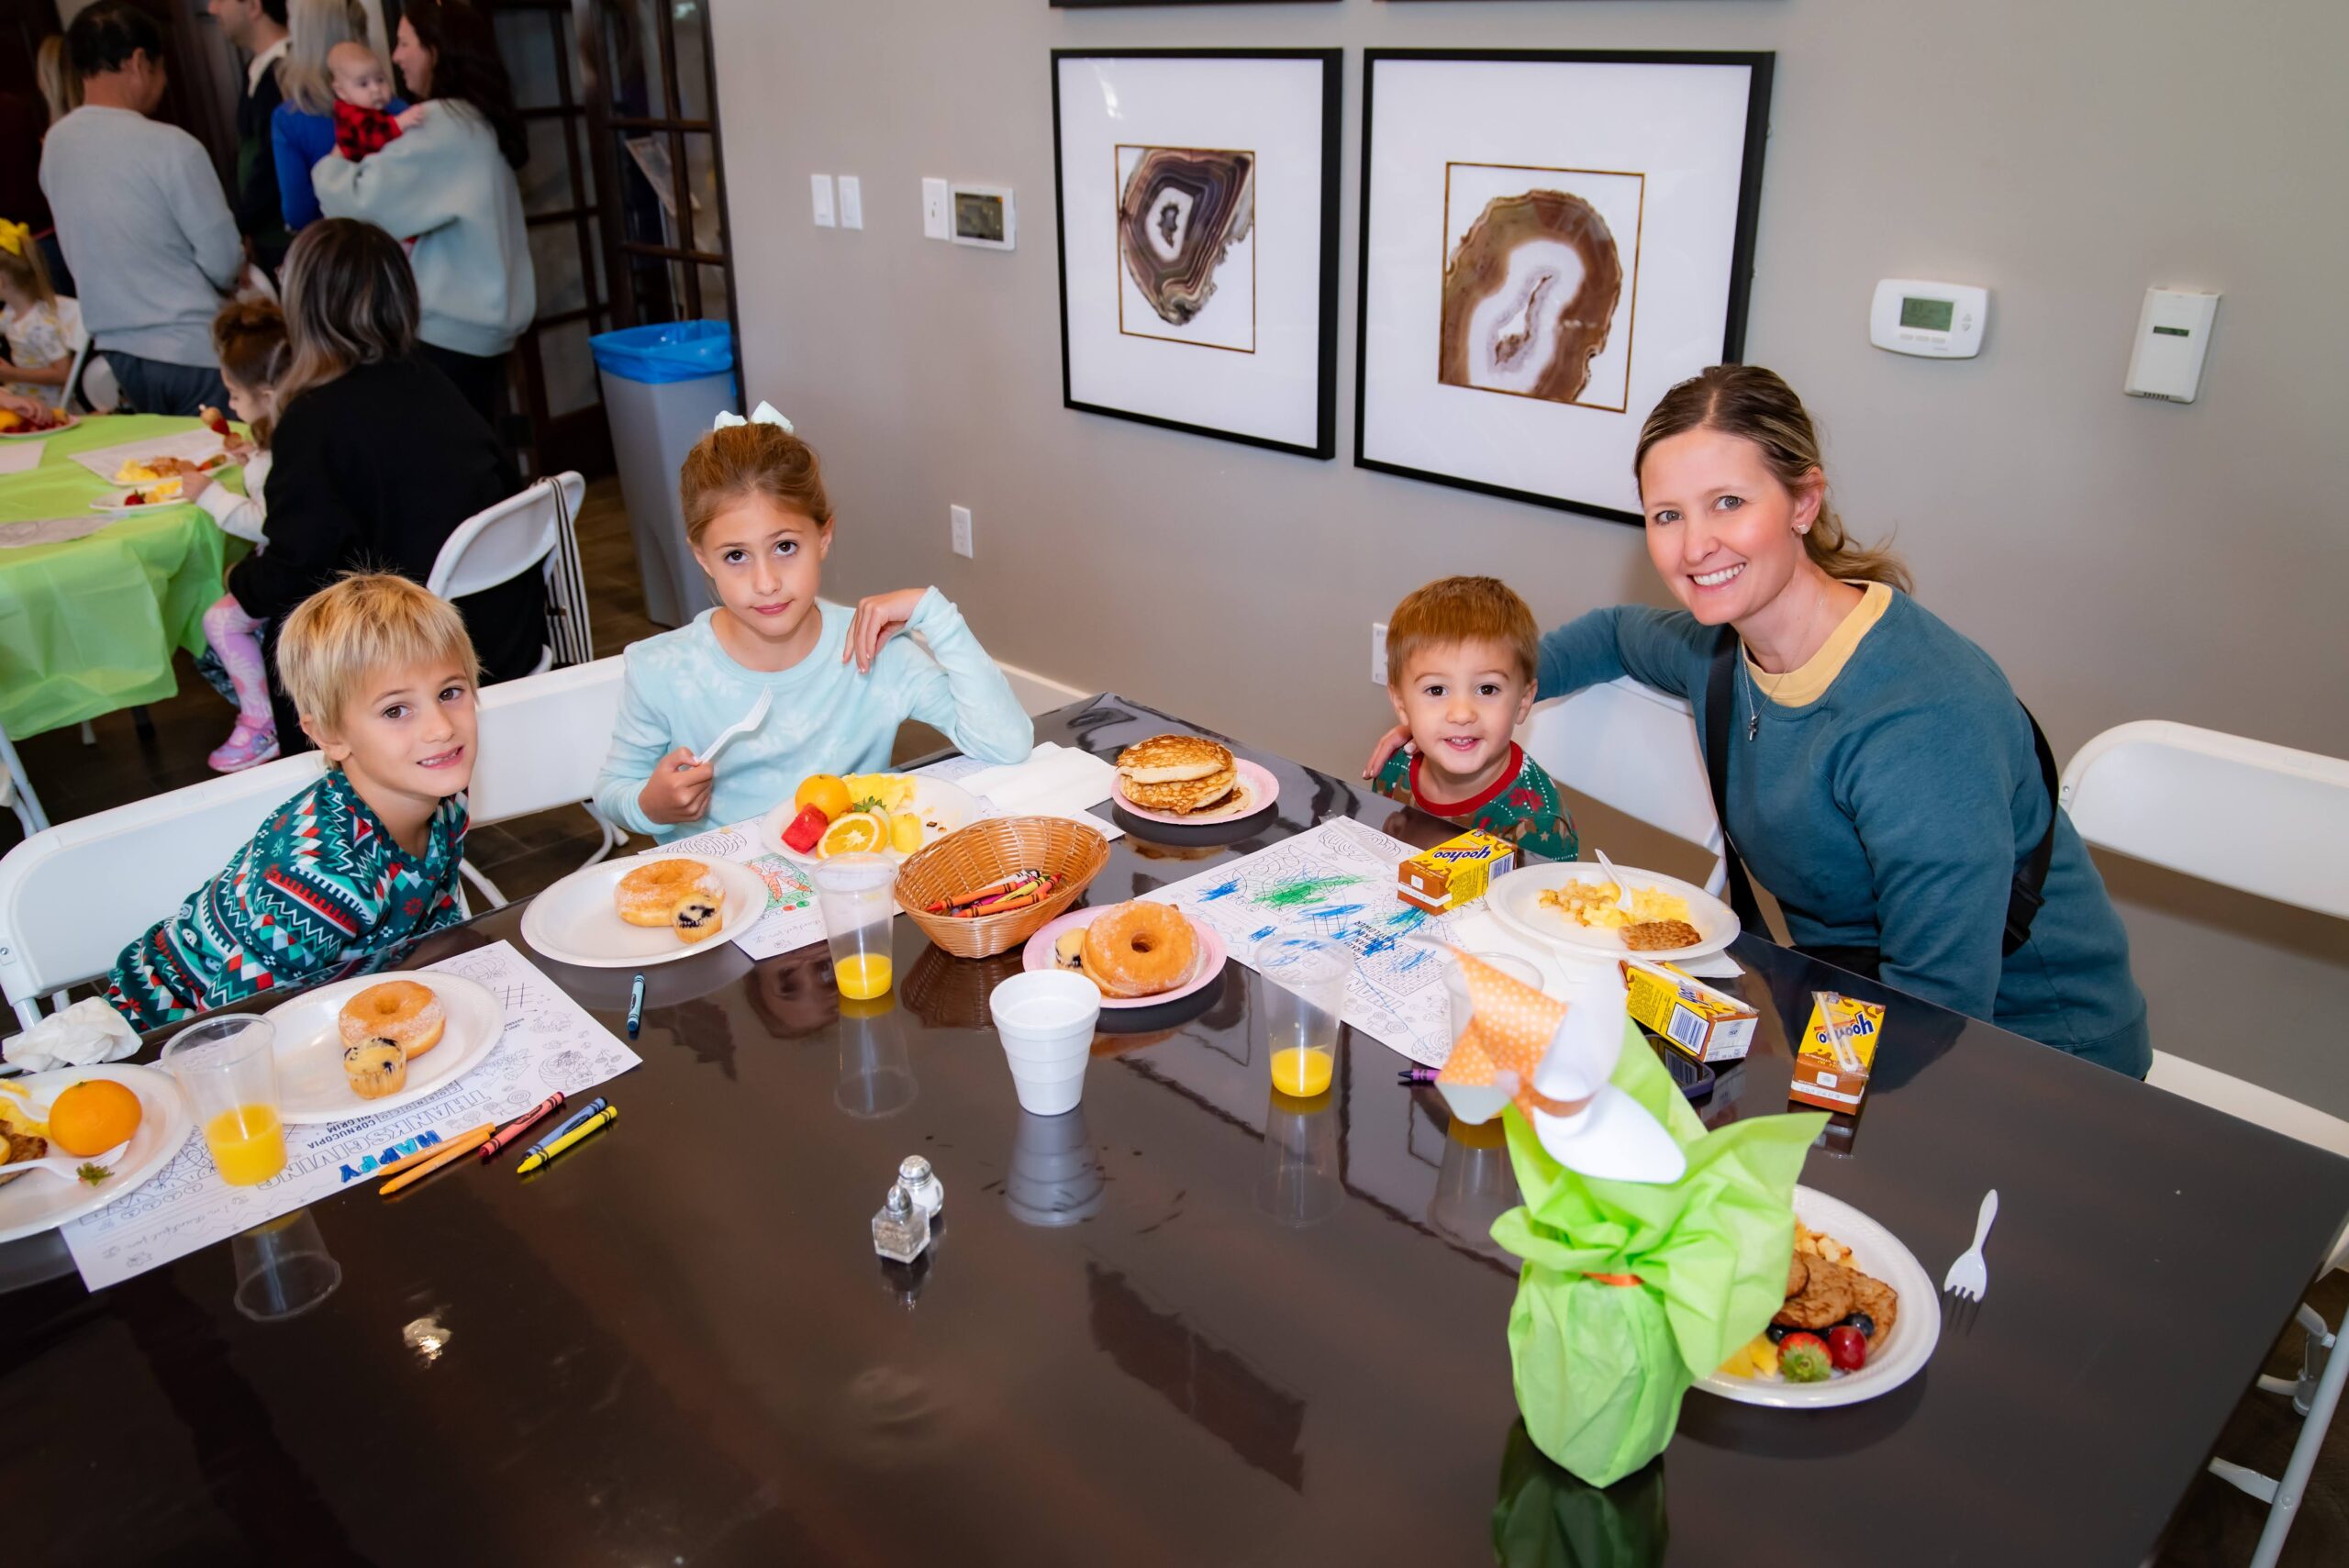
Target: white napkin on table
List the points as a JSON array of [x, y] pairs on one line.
[[1055, 781], [88, 1032]]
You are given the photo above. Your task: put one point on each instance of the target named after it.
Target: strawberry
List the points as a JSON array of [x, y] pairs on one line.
[[212, 416], [1803, 1358]]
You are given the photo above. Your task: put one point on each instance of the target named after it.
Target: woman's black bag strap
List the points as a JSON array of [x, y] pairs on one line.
[[2031, 878]]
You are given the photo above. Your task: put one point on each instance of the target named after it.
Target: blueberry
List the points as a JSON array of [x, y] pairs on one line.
[[1777, 1331], [1864, 1323]]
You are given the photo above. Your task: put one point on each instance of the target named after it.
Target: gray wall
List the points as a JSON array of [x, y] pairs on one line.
[[2122, 558]]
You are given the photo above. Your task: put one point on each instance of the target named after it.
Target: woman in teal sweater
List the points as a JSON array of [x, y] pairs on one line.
[[1882, 779]]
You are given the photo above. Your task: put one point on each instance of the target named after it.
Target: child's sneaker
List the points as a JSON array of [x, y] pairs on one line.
[[247, 746]]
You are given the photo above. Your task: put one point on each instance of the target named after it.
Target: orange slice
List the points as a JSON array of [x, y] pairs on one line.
[[857, 832]]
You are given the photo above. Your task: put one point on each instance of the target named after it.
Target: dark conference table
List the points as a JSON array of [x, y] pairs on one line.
[[678, 1347]]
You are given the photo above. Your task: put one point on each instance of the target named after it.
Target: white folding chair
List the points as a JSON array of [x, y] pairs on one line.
[[530, 529], [1632, 748], [16, 790], [543, 741], [142, 859], [2275, 822]]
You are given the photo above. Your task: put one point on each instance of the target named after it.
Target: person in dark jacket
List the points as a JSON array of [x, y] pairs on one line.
[[257, 28], [379, 459]]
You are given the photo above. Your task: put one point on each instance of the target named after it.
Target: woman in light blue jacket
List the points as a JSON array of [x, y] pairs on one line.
[[448, 184]]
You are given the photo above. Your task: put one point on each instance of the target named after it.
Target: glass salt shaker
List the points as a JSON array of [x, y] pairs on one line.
[[901, 1229], [921, 1185]]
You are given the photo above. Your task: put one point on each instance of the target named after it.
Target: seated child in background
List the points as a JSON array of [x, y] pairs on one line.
[[363, 860], [759, 525], [44, 332], [249, 335], [363, 122], [1461, 662]]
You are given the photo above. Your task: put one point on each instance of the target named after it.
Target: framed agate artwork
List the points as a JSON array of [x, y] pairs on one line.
[[1549, 240], [1198, 240]]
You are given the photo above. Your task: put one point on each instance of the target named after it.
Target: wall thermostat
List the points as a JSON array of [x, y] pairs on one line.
[[983, 216], [1941, 321], [2173, 334]]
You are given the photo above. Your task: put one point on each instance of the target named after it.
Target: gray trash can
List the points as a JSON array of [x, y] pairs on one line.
[[663, 386]]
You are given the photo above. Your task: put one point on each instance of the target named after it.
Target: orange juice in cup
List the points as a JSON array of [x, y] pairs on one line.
[[227, 1069]]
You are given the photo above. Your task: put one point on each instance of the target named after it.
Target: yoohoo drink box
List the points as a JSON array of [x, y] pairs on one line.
[[1822, 1077], [1454, 874]]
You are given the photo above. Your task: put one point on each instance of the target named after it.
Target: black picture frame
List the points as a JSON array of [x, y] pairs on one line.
[[1333, 61], [1760, 65]]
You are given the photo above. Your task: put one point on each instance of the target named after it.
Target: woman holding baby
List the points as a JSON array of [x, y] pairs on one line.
[[1875, 770], [444, 182]]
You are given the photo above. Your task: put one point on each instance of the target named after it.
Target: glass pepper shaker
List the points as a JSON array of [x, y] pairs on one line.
[[921, 1185], [901, 1229]]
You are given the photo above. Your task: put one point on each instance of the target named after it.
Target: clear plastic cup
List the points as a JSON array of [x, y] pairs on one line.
[[227, 1068], [1303, 1007], [1045, 1021], [1524, 971], [853, 894]]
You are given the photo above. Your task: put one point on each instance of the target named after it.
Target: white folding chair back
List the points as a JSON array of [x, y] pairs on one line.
[[2273, 822], [72, 896], [542, 743], [2266, 819], [1632, 748], [497, 544]]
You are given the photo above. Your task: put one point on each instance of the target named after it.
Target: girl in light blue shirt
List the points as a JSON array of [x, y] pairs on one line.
[[841, 682]]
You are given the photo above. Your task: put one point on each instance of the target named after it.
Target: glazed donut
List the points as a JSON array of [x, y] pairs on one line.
[[1139, 949], [397, 1012], [650, 894]]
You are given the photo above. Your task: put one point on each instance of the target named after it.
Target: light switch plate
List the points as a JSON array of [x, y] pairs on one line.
[[958, 525], [933, 210], [851, 202], [1379, 652], [820, 187]]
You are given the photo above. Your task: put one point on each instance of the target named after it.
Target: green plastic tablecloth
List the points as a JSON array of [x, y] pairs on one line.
[[88, 626]]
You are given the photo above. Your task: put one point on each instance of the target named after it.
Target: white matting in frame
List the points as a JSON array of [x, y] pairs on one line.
[[1550, 241], [1198, 240]]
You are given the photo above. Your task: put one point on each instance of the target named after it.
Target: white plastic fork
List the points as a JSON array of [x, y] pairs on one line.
[[1622, 885], [1969, 1277], [68, 1166], [743, 726]]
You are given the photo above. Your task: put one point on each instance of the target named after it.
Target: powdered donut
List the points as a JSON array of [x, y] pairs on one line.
[[1139, 949], [650, 894], [397, 1012]]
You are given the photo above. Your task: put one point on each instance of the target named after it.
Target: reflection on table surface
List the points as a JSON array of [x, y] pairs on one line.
[[1184, 1324]]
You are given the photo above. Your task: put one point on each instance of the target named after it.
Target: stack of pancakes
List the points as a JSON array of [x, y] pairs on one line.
[[1177, 774]]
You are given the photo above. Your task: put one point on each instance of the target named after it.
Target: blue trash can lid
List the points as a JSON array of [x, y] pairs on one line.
[[665, 351]]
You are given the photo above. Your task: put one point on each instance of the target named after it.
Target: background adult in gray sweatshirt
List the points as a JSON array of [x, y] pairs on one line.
[[139, 212]]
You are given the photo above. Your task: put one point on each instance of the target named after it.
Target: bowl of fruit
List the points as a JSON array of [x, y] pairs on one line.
[[842, 814]]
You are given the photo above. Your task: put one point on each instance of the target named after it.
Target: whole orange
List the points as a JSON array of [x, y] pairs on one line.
[[93, 1117], [827, 792]]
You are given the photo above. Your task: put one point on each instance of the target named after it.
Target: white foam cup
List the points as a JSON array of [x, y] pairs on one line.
[[1045, 1021]]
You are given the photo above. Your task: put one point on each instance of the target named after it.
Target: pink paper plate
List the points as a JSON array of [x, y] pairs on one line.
[[1038, 954], [1256, 790]]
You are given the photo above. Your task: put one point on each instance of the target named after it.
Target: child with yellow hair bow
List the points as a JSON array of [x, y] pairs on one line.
[[44, 332]]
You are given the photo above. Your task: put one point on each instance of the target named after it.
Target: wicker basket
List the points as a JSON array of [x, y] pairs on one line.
[[986, 852]]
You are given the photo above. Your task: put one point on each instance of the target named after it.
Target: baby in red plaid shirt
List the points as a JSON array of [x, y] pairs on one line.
[[363, 87]]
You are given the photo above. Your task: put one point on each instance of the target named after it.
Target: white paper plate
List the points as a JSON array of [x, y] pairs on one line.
[[576, 921], [1253, 791], [1898, 1351], [194, 444], [944, 807], [71, 420], [1516, 901], [120, 501], [312, 1087], [34, 1202]]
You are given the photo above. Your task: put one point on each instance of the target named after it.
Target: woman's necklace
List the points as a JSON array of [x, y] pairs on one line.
[[1753, 693]]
